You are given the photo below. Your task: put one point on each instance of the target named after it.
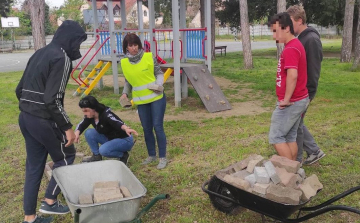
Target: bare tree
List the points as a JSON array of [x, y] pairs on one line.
[[202, 13], [37, 15], [213, 29], [281, 7], [245, 34], [347, 31], [357, 45]]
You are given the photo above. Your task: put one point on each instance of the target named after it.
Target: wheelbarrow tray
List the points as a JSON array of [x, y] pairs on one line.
[[77, 179]]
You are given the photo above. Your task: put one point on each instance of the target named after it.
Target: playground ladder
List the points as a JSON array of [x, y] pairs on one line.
[[93, 78]]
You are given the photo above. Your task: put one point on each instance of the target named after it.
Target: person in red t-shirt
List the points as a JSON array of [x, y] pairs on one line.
[[291, 88]]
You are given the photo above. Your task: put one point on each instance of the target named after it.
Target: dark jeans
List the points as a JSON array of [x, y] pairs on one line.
[[42, 137], [152, 118], [109, 148]]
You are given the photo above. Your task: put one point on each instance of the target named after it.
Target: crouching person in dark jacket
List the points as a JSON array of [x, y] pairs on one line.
[[109, 130], [43, 121]]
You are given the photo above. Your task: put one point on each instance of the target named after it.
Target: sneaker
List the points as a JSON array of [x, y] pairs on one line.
[[125, 158], [162, 163], [41, 219], [314, 157], [56, 208], [149, 160], [93, 158]]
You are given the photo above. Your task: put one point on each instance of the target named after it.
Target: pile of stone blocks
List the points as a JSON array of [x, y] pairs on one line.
[[105, 191], [279, 179]]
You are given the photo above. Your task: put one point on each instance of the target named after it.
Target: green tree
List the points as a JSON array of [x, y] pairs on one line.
[[5, 6], [163, 8], [71, 10]]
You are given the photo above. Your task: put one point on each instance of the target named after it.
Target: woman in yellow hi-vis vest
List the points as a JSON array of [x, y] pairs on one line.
[[144, 78]]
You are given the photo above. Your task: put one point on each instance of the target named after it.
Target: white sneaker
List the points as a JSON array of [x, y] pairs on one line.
[[314, 157], [149, 160], [162, 163]]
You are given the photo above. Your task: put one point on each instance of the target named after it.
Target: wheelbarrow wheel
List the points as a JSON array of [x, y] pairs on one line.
[[220, 204]]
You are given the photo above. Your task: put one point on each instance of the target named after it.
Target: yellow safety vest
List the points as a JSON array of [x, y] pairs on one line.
[[139, 76]]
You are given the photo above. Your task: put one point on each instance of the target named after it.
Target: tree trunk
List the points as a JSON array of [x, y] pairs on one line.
[[202, 12], [213, 29], [281, 7], [354, 33], [37, 14], [347, 31], [245, 34], [357, 45]]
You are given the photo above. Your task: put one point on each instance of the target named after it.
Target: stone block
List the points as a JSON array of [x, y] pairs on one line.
[[241, 174], [291, 166], [125, 103], [80, 155], [155, 87], [287, 179], [283, 195], [314, 182], [237, 182], [260, 188], [125, 191], [254, 162], [85, 199], [307, 192], [261, 175], [106, 184], [107, 194], [251, 179], [299, 180], [244, 163], [301, 172], [270, 169]]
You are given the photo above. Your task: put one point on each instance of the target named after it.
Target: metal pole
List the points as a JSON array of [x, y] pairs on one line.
[[152, 25], [175, 19], [97, 45], [113, 48], [184, 85], [208, 33], [123, 14], [140, 19]]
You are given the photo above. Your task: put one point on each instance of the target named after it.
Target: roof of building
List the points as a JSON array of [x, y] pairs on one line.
[[128, 4]]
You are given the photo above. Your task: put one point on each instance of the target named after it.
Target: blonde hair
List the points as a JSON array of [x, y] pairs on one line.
[[297, 12]]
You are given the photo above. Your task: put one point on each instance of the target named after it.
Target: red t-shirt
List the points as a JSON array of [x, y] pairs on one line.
[[292, 57]]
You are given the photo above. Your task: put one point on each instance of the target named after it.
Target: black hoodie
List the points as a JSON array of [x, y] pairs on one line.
[[310, 39], [41, 89]]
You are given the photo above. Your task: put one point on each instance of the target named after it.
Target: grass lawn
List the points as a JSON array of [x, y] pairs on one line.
[[198, 148]]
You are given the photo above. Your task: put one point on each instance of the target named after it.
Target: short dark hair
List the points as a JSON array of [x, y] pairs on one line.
[[131, 38], [284, 21], [91, 102]]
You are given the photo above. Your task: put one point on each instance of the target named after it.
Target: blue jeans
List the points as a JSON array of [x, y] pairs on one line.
[[152, 118], [114, 148]]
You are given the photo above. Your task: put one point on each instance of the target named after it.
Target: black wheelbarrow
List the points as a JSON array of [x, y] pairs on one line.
[[231, 200]]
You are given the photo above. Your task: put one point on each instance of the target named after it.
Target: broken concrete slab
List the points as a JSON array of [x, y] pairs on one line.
[[314, 182], [256, 161], [284, 195], [241, 174], [260, 188], [237, 182], [307, 192], [106, 184], [291, 166], [287, 179]]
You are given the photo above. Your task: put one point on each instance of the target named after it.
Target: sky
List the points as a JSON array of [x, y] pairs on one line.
[[51, 3]]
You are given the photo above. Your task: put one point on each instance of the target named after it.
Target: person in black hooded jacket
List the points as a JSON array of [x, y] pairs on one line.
[[43, 121], [310, 39], [109, 131]]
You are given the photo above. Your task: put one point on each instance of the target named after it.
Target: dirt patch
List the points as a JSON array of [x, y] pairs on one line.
[[198, 111]]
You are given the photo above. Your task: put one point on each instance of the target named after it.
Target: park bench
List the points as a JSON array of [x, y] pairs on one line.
[[221, 48]]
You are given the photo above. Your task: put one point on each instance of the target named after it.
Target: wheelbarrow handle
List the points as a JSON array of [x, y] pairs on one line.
[[152, 202], [203, 187], [322, 211]]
